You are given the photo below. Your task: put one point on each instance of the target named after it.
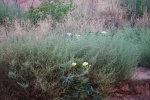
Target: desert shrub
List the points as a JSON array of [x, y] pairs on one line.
[[140, 37], [46, 63], [136, 7], [144, 47], [57, 11]]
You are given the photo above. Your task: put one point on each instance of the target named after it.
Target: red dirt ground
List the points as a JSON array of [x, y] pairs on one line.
[[138, 88]]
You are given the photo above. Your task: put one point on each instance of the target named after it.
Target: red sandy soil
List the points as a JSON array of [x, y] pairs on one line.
[[137, 88]]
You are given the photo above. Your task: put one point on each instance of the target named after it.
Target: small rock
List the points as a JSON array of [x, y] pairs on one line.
[[77, 35]]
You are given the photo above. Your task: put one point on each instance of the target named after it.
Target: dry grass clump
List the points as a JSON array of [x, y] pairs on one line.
[[144, 21], [96, 15]]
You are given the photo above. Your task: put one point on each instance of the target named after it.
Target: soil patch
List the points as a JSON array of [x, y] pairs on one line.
[[138, 88]]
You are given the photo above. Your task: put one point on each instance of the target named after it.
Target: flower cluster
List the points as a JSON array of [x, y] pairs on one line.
[[85, 64], [80, 71]]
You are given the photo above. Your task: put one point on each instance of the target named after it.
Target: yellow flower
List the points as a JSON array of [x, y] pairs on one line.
[[74, 64], [85, 64]]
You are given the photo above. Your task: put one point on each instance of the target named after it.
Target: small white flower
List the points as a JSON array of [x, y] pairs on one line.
[[77, 35], [104, 32], [52, 2], [69, 34]]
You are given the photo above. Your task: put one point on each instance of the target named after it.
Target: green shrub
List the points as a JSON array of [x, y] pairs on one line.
[[46, 63], [57, 11], [136, 7]]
